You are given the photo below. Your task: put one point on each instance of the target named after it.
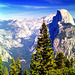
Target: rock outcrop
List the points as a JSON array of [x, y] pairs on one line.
[[66, 17], [62, 33]]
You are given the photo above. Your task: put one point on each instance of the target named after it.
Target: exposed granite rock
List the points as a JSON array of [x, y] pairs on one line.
[[66, 17], [65, 38], [5, 54], [65, 42]]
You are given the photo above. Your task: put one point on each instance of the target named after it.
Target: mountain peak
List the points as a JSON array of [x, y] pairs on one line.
[[65, 15], [49, 18]]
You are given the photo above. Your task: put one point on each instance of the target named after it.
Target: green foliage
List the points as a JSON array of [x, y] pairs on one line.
[[13, 70], [1, 67], [63, 71], [72, 62], [43, 60], [6, 71], [18, 66], [26, 72], [67, 63], [66, 71], [71, 71], [60, 60], [15, 67], [34, 66]]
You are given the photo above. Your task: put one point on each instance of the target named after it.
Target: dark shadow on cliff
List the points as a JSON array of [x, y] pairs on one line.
[[54, 27]]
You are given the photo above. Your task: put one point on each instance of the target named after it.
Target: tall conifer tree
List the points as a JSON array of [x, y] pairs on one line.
[[60, 60], [18, 66], [26, 72], [42, 60], [13, 70]]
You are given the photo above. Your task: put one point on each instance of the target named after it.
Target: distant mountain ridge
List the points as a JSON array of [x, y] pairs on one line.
[[13, 31], [19, 38]]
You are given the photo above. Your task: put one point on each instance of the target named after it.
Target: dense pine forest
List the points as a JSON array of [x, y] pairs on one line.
[[43, 61]]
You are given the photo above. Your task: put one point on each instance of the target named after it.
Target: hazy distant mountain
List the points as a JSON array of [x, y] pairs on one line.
[[18, 38]]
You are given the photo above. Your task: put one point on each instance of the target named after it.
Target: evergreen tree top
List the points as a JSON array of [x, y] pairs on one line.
[[43, 19], [43, 60]]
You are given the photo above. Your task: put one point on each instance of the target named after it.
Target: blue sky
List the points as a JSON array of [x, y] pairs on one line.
[[20, 9]]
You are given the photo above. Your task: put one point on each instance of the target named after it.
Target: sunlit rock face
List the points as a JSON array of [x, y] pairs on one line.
[[65, 39], [66, 17], [65, 42]]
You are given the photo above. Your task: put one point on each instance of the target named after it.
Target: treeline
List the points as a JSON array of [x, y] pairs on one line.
[[43, 61], [62, 67]]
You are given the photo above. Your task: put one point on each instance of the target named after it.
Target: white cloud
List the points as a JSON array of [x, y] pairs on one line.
[[3, 6], [26, 6], [36, 7]]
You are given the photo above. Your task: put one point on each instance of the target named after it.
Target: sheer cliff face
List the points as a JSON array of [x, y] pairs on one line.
[[64, 39], [66, 17]]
